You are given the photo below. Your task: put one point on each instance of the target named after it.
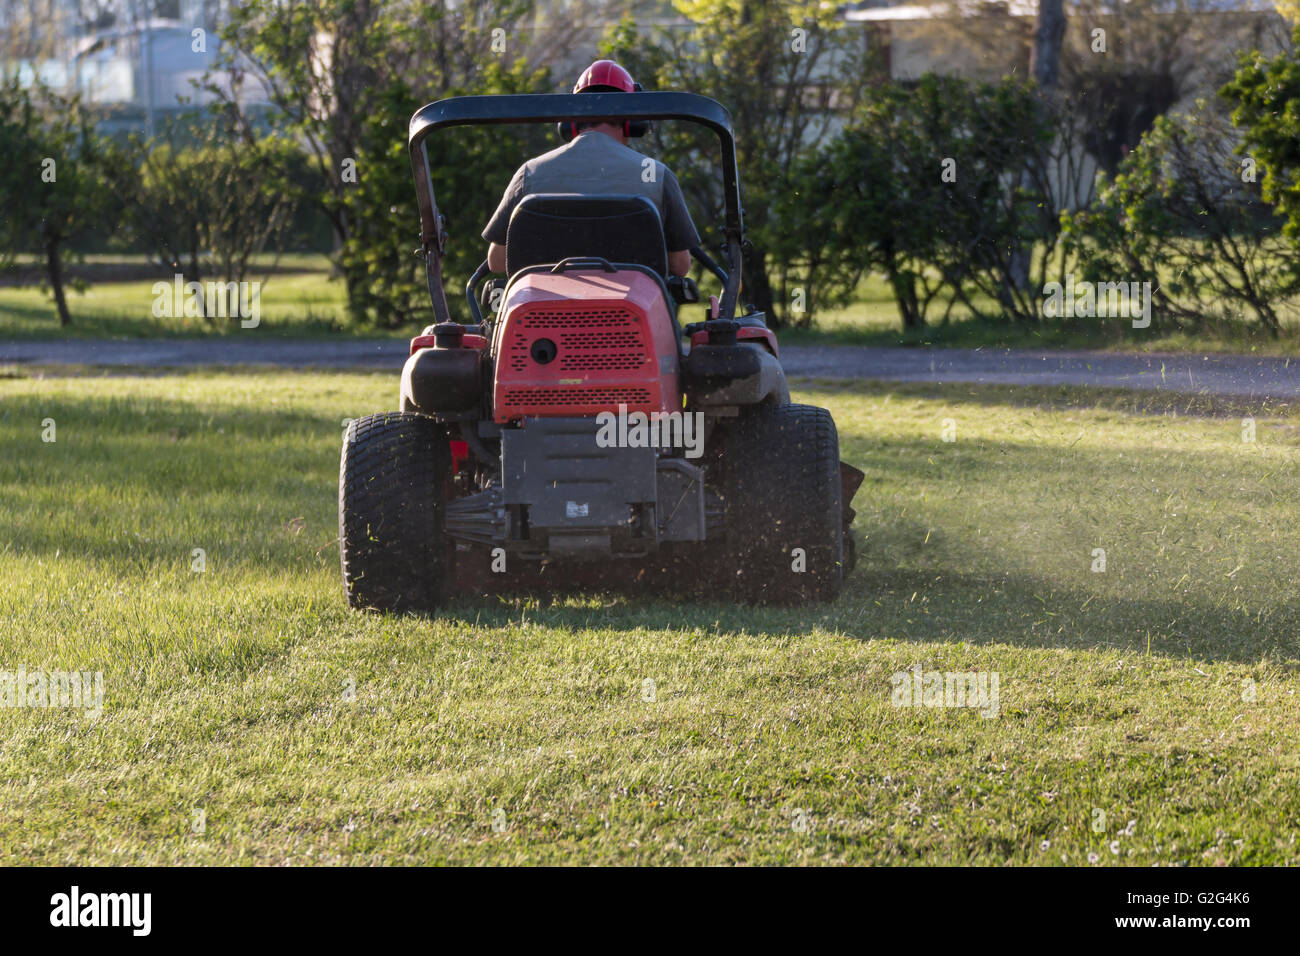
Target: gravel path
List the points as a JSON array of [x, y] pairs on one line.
[[1238, 375]]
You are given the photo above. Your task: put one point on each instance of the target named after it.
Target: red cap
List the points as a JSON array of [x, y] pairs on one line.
[[605, 73]]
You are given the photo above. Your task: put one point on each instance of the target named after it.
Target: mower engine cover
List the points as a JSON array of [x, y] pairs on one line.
[[581, 342]]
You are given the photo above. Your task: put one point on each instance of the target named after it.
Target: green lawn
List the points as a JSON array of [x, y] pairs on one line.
[[307, 303], [1161, 693], [872, 319], [304, 300]]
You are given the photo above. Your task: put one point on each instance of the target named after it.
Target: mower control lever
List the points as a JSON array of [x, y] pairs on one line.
[[706, 260], [471, 291]]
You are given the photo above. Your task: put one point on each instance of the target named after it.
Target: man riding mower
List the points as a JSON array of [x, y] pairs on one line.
[[579, 424]]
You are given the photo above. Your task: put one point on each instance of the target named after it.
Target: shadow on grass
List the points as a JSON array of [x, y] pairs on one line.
[[962, 333], [236, 474], [923, 606], [40, 324]]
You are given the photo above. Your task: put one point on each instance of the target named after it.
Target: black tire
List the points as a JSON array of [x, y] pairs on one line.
[[392, 506], [782, 493]]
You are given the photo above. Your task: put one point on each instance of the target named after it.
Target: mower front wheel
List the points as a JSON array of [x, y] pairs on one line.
[[392, 511]]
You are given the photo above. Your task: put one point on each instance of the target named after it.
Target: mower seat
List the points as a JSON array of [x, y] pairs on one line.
[[546, 228]]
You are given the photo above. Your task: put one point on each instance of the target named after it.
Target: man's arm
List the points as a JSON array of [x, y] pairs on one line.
[[679, 230], [498, 226]]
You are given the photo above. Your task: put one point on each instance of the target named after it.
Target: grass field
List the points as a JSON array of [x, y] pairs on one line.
[[872, 319], [304, 301], [1147, 714], [299, 304]]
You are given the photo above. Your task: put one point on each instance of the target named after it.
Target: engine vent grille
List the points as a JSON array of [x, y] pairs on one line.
[[578, 396], [597, 319], [577, 362], [609, 339]]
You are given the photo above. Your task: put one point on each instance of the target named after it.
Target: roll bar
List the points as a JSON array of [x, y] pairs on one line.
[[561, 107]]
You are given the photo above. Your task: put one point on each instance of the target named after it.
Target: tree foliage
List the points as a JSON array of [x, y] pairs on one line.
[[213, 194], [922, 187], [1179, 215], [778, 67], [343, 77], [1265, 95], [60, 180]]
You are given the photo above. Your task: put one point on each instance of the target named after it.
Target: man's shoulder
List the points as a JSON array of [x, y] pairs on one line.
[[586, 145], [546, 157], [624, 155], [640, 158], [623, 149]]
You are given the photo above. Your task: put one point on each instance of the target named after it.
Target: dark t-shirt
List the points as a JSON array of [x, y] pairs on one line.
[[592, 164]]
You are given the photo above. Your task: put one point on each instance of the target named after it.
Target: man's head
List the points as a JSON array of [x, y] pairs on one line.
[[606, 76]]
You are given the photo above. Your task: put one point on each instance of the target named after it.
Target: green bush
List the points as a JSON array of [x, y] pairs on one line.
[[213, 194], [925, 186], [1179, 215], [1265, 95]]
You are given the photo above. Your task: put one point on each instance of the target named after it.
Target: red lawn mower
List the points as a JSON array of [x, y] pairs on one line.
[[578, 426]]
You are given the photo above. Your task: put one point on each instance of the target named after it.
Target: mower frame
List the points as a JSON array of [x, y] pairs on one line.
[[575, 107]]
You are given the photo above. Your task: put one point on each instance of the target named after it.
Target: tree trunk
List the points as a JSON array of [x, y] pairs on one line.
[[757, 289], [54, 272], [905, 296], [1045, 56], [1044, 67]]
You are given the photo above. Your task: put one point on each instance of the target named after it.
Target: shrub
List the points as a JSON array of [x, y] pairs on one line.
[[1179, 215]]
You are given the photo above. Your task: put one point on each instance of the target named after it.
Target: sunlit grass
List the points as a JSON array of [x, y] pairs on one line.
[[1161, 691], [302, 303], [872, 318], [312, 303]]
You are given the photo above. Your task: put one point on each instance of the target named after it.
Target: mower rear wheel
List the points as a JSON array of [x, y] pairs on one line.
[[392, 510], [784, 521]]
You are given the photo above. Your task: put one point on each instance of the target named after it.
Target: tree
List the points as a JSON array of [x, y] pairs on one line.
[[59, 182], [782, 70], [1044, 67], [920, 186], [214, 194], [1181, 215], [1119, 65], [344, 76], [1124, 65], [1265, 96], [1049, 31]]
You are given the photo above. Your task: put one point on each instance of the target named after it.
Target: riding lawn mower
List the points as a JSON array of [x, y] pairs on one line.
[[573, 424]]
